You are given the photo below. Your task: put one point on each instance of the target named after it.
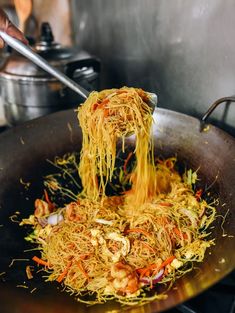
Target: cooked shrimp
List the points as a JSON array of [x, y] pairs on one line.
[[71, 212], [124, 278], [41, 208]]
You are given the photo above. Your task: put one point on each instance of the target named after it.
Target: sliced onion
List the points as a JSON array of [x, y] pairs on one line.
[[42, 221], [54, 219], [102, 221], [155, 279]]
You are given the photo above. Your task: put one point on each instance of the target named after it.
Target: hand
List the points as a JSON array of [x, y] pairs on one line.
[[7, 26]]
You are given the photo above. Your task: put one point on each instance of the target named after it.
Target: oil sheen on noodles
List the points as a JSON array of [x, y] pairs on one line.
[[104, 118], [131, 246]]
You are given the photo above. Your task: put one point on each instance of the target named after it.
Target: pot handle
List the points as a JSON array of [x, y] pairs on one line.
[[73, 66], [213, 107]]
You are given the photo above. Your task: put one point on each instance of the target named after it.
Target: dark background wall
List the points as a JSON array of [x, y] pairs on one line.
[[183, 50]]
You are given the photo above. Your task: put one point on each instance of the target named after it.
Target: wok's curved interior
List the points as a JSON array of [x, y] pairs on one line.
[[23, 154]]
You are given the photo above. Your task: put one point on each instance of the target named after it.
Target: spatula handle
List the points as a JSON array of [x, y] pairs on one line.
[[41, 62]]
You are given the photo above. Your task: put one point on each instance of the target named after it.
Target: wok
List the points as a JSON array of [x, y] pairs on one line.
[[24, 151]]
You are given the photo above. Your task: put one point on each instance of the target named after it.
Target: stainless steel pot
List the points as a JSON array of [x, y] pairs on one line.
[[29, 92]]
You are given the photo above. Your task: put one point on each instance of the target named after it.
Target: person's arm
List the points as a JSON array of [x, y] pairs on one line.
[[7, 26]]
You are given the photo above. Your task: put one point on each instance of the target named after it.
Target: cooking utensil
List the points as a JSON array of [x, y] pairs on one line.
[[37, 59], [24, 151], [23, 10]]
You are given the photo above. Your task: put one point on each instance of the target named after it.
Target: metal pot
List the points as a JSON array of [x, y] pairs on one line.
[[29, 92], [24, 151]]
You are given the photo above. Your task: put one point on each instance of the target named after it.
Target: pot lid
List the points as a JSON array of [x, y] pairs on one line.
[[58, 56]]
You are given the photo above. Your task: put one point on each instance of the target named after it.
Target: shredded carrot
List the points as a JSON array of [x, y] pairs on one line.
[[148, 246], [84, 256], [100, 105], [139, 231], [179, 233], [81, 268], [95, 106], [71, 245], [198, 194], [165, 204], [140, 270], [166, 262], [105, 101], [126, 162], [50, 204], [40, 261], [106, 112], [146, 271], [64, 273]]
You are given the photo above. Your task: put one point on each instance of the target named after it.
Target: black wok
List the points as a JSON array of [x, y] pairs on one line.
[[23, 153]]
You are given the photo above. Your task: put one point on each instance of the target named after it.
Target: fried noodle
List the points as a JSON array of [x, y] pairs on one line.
[[122, 246]]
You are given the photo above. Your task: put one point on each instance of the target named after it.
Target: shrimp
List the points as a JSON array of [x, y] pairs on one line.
[[41, 208], [70, 212], [125, 280]]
